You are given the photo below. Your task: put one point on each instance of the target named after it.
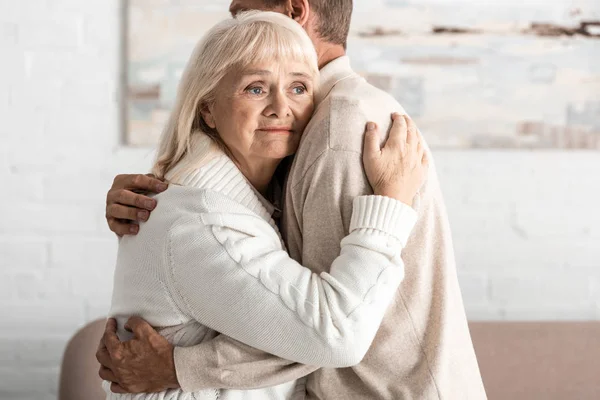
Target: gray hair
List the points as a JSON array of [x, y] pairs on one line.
[[251, 37]]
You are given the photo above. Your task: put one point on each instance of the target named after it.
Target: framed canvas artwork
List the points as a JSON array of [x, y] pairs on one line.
[[472, 73]]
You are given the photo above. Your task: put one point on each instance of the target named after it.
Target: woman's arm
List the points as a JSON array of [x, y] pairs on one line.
[[231, 273], [397, 170]]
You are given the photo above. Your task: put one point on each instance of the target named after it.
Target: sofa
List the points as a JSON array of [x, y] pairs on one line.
[[518, 361]]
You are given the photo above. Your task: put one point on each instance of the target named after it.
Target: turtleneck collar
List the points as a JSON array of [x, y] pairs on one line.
[[331, 74]]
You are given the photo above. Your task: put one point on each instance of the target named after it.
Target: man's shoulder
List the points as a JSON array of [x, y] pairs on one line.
[[369, 97], [345, 111], [353, 103], [339, 122]]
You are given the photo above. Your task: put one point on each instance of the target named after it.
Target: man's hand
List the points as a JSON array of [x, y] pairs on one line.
[[144, 364], [125, 204]]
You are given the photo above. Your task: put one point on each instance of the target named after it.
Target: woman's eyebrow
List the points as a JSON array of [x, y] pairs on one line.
[[264, 72], [256, 72], [301, 74]]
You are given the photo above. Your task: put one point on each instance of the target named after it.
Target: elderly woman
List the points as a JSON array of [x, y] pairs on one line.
[[211, 260]]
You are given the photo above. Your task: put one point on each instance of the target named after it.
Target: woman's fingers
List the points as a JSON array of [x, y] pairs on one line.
[[403, 123], [397, 136], [372, 147], [420, 145], [411, 137], [403, 133]]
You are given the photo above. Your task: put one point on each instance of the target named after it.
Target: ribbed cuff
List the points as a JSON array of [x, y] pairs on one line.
[[383, 214]]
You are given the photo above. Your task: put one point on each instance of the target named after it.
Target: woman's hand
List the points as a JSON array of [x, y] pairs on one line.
[[399, 169]]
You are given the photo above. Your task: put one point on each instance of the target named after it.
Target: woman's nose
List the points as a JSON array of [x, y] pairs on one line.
[[278, 106]]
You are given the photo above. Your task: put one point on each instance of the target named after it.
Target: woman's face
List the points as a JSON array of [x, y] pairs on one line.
[[260, 111]]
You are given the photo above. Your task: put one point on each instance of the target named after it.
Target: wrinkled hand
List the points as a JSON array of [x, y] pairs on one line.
[[125, 204], [398, 169], [144, 364]]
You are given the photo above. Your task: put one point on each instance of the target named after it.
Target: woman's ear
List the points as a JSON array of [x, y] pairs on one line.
[[207, 116], [300, 11]]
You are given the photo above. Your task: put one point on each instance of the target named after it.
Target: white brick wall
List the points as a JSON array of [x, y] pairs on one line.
[[59, 151], [526, 225], [526, 232]]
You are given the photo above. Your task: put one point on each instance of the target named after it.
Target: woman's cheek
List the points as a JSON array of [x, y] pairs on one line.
[[307, 110]]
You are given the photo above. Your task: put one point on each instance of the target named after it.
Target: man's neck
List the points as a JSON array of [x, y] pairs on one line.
[[328, 52]]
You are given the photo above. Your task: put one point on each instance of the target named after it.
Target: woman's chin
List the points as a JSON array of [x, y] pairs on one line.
[[280, 150]]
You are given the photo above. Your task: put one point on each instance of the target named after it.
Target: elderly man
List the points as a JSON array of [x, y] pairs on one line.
[[423, 349]]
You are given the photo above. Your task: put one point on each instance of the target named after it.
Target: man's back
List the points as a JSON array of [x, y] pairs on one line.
[[423, 348]]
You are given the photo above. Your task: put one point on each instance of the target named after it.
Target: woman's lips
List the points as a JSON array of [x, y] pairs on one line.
[[285, 130]]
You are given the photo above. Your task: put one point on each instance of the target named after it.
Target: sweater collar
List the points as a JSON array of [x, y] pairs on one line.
[[219, 173], [331, 74]]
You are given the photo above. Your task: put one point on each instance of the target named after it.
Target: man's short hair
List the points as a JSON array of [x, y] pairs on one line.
[[334, 18]]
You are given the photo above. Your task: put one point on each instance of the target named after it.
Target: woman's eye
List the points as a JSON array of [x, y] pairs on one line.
[[255, 90], [299, 90]]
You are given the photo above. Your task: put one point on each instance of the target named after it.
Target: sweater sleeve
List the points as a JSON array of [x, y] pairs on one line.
[[231, 273], [226, 363], [318, 218]]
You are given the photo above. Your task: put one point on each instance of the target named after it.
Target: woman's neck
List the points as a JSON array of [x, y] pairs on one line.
[[259, 172]]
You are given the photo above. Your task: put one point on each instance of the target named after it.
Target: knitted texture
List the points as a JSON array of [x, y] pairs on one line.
[[423, 348], [210, 259]]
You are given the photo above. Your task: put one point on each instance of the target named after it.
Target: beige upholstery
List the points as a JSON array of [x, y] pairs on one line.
[[518, 361], [539, 360], [79, 378]]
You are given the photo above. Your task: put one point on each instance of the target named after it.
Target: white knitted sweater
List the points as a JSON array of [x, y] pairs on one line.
[[210, 259]]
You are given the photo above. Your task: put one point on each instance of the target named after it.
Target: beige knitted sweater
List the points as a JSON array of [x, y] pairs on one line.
[[423, 349]]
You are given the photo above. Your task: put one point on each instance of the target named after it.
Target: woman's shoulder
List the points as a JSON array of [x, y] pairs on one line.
[[180, 200], [216, 185], [190, 207]]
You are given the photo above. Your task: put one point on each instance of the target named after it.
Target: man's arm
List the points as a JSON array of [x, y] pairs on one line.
[[226, 363], [148, 363]]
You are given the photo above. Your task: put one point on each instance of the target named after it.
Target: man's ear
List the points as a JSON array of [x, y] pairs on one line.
[[207, 116], [299, 10]]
